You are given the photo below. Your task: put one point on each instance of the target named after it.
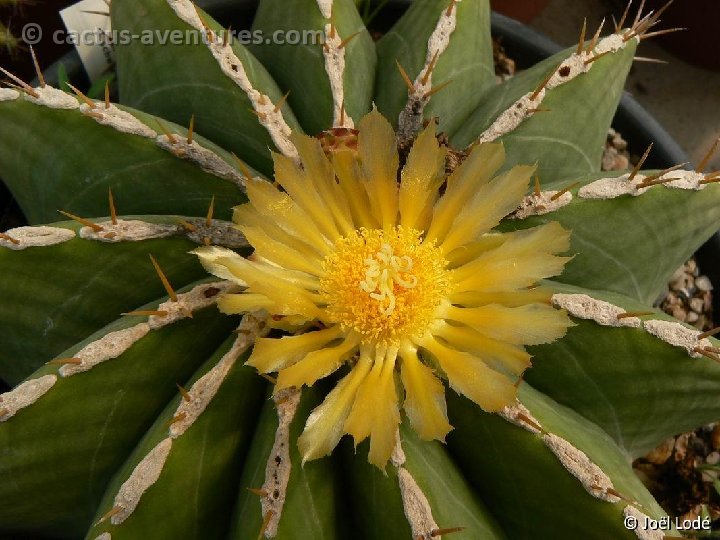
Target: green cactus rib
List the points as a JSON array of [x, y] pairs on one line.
[[92, 283], [517, 474], [661, 219], [152, 79], [73, 167], [60, 451], [197, 479], [565, 136], [303, 68], [465, 62], [311, 506], [635, 386]]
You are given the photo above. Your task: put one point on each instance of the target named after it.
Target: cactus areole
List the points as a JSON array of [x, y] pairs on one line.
[[352, 237]]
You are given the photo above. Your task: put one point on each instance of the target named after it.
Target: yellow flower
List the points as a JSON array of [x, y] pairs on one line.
[[397, 277]]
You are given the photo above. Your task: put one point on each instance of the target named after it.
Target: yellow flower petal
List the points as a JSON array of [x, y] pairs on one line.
[[531, 324], [278, 208], [471, 251], [470, 377], [498, 355], [523, 259], [280, 253], [320, 176], [379, 158], [324, 426], [492, 202], [422, 175], [463, 183], [375, 411], [213, 259], [424, 397], [347, 169], [538, 295], [243, 303], [316, 365], [287, 299], [294, 181], [273, 354]]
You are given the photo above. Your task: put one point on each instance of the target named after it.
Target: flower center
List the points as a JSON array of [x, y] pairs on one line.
[[385, 285], [385, 271]]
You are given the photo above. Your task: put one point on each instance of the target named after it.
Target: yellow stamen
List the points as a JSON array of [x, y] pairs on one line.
[[384, 284]]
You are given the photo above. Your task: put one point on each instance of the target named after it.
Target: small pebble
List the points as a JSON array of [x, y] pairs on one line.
[[696, 304], [703, 283], [662, 453], [715, 437]]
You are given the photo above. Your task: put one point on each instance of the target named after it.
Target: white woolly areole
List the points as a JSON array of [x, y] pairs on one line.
[[609, 188], [604, 313], [537, 205], [570, 68], [145, 474], [206, 387], [206, 159], [335, 69], [118, 119], [104, 536], [53, 98], [127, 231], [397, 458], [677, 335], [109, 346], [36, 237], [222, 233], [685, 180], [278, 468], [411, 117], [417, 508], [198, 297], [325, 7], [437, 44], [233, 68], [641, 519], [187, 12], [24, 395], [8, 94], [516, 414], [512, 117], [593, 479]]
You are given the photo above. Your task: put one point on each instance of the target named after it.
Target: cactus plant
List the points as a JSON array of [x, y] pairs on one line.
[[382, 262]]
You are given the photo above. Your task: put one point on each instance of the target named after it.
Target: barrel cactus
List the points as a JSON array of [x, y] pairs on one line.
[[351, 237]]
